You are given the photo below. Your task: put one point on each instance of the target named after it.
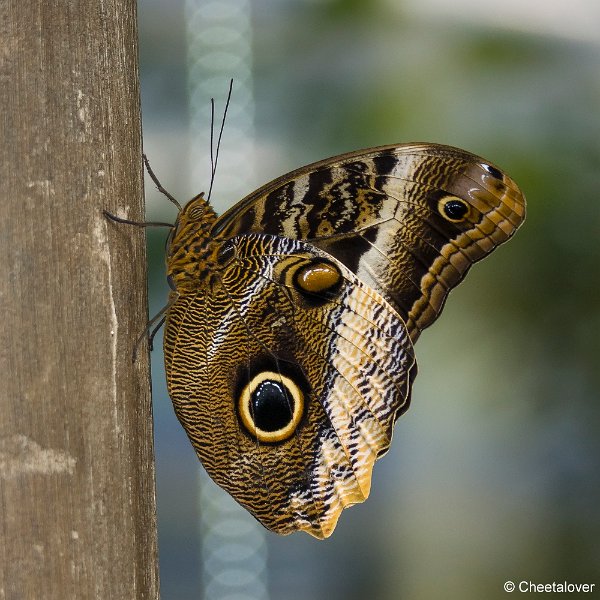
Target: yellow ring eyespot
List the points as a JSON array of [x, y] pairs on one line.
[[318, 280], [271, 407], [454, 209]]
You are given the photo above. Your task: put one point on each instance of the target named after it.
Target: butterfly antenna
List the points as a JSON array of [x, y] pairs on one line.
[[212, 144], [157, 183], [213, 163]]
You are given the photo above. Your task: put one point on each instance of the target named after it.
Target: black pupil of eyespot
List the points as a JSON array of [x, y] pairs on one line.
[[272, 406], [455, 209]]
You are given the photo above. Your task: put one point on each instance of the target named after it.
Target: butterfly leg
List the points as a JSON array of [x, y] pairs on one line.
[[136, 223]]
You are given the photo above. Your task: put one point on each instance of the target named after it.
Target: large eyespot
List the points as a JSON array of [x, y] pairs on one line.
[[318, 280], [271, 407], [453, 209]]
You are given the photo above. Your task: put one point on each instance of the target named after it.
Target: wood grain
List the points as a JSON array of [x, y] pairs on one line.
[[77, 509]]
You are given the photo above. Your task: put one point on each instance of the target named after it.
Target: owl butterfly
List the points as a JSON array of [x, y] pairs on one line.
[[291, 322]]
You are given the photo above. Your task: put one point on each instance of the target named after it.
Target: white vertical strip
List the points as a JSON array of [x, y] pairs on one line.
[[234, 552], [219, 48]]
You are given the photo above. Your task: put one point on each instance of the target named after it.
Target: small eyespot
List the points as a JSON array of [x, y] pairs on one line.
[[453, 209], [318, 280], [270, 407]]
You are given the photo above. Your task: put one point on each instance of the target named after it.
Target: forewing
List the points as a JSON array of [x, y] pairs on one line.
[[344, 349], [381, 213]]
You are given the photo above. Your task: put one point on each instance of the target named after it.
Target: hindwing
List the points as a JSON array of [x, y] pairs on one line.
[[288, 374]]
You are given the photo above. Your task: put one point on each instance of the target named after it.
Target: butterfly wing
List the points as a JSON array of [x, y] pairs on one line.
[[288, 374], [408, 220]]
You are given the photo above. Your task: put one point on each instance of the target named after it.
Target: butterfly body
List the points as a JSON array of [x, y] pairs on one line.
[[290, 330]]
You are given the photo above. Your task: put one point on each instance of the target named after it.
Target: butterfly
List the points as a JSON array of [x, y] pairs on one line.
[[291, 321], [292, 318]]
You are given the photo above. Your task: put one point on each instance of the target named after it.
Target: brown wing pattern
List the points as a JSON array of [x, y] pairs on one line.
[[288, 338], [279, 314], [408, 220]]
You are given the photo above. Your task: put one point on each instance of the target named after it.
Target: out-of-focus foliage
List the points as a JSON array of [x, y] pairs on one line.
[[494, 473]]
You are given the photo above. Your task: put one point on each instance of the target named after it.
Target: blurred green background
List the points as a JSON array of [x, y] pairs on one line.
[[494, 473]]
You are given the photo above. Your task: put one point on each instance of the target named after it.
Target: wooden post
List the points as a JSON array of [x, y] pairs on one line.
[[77, 510]]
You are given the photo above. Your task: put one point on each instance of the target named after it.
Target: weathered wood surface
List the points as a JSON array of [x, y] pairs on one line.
[[77, 510]]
